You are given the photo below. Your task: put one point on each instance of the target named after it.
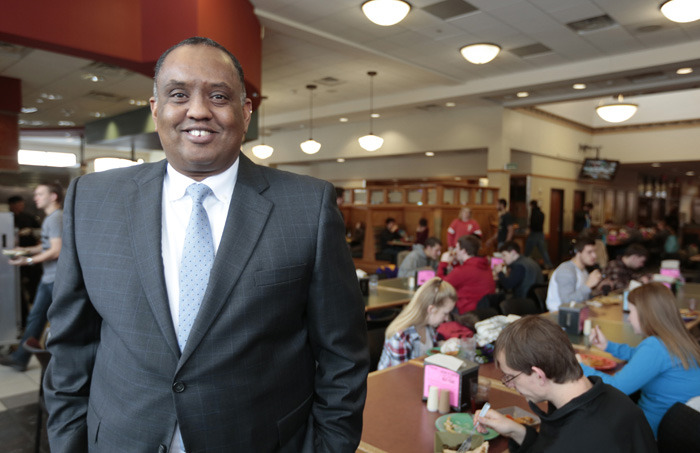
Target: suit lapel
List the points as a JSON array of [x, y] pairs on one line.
[[145, 211], [245, 221]]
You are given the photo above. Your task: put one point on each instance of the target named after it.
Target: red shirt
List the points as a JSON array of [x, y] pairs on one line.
[[472, 280], [458, 229]]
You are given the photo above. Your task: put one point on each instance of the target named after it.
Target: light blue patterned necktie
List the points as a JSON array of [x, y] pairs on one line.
[[197, 259]]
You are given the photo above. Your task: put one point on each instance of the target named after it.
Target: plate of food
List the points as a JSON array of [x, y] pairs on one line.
[[461, 422], [520, 415], [598, 362], [688, 315], [12, 254]]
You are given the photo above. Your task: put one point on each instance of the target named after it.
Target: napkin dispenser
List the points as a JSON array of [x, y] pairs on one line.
[[450, 373], [570, 317]]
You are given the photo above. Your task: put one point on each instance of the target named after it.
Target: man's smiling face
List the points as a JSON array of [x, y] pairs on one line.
[[198, 111]]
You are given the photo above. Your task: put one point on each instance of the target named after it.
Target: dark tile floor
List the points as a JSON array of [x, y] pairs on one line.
[[18, 428]]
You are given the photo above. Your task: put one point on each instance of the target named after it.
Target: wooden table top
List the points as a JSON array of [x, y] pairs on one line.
[[390, 292]]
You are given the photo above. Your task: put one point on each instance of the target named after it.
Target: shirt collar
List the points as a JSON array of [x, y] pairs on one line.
[[221, 184]]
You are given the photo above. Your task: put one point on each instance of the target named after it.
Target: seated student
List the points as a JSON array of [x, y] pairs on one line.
[[623, 269], [523, 271], [583, 415], [665, 366], [389, 233], [571, 282], [422, 231], [413, 331], [420, 256], [472, 277]]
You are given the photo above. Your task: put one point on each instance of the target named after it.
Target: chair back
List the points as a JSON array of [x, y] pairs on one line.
[[678, 430], [538, 293], [521, 307], [401, 256]]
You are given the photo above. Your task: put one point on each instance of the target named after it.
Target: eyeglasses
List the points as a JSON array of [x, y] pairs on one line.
[[507, 378]]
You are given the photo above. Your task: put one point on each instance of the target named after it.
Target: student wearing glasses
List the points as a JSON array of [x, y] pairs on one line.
[[413, 332], [583, 414]]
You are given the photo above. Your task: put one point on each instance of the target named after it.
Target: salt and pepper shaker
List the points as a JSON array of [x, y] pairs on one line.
[[433, 396], [444, 403], [587, 333]]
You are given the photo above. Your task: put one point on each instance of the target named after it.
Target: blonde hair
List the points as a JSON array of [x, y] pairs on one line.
[[659, 317], [436, 292]]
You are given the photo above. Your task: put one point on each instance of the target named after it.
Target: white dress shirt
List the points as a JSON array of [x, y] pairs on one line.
[[176, 209]]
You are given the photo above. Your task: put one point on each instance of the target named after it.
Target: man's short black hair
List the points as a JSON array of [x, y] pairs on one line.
[[581, 242], [636, 250], [14, 199], [533, 203], [503, 202], [470, 244], [199, 41], [339, 192], [510, 246], [423, 221], [432, 242], [389, 220]]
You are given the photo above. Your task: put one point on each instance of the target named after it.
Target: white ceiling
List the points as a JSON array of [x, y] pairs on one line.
[[332, 44]]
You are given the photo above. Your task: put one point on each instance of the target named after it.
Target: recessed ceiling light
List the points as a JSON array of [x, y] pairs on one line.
[[138, 102], [656, 165], [430, 154], [690, 173], [340, 160], [343, 120], [66, 123], [579, 86], [29, 109], [97, 114], [450, 104], [684, 71], [523, 94], [458, 178], [51, 96], [375, 115]]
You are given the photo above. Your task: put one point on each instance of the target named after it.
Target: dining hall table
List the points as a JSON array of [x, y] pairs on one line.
[[389, 292], [396, 418]]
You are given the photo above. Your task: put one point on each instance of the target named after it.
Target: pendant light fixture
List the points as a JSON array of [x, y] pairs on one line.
[[681, 11], [480, 53], [262, 151], [616, 112], [371, 142], [386, 12], [311, 146]]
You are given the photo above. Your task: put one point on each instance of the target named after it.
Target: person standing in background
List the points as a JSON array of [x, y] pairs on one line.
[[582, 219], [536, 237], [48, 197], [204, 303], [506, 225], [29, 276], [462, 226]]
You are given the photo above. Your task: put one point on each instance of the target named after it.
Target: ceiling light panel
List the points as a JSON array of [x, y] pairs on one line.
[[449, 9]]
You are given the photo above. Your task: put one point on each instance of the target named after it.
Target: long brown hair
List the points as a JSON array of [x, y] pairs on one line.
[[435, 291], [659, 317]]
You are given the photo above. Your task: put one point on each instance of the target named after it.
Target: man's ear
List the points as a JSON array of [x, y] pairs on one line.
[[540, 374], [154, 111]]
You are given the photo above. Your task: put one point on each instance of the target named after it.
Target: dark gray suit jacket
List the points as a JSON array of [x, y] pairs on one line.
[[277, 357]]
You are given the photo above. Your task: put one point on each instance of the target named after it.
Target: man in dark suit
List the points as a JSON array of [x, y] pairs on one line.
[[276, 358]]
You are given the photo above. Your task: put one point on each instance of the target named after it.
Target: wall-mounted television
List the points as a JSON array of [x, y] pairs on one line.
[[599, 169]]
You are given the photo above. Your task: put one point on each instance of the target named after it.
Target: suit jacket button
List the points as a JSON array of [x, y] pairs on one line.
[[179, 387]]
